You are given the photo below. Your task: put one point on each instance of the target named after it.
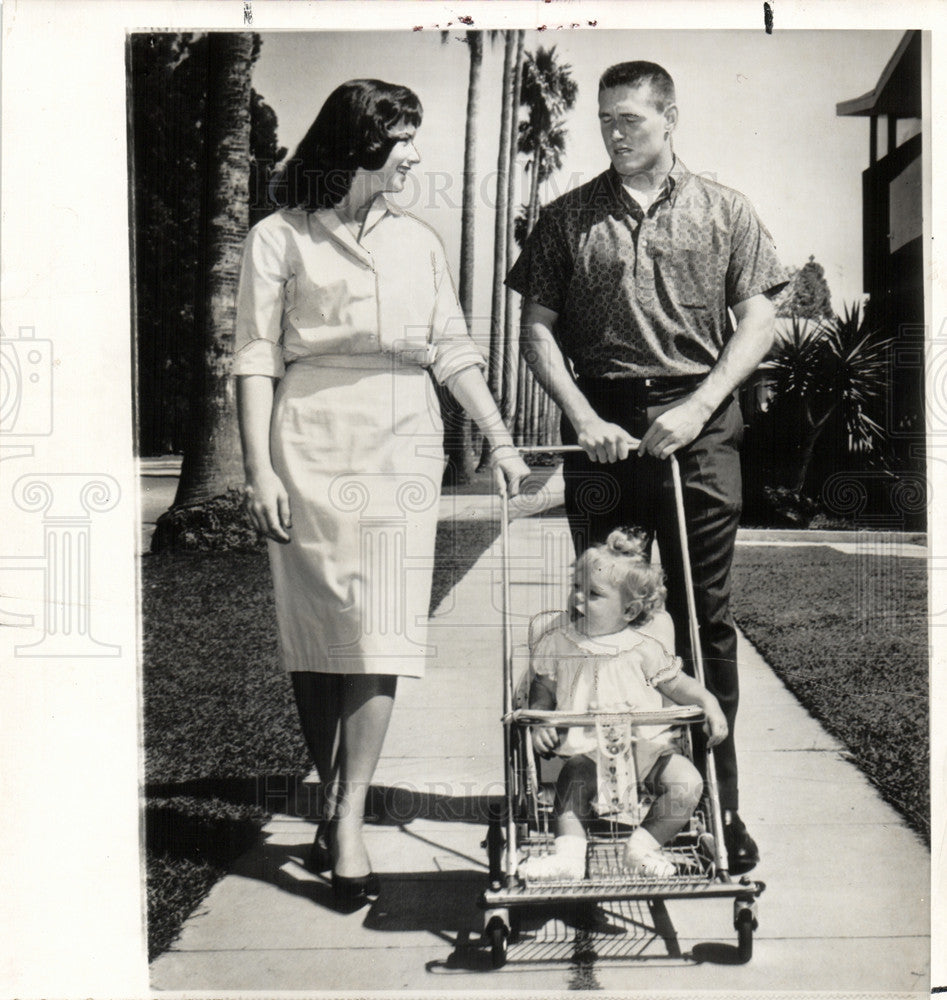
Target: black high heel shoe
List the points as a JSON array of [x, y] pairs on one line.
[[352, 893], [319, 859]]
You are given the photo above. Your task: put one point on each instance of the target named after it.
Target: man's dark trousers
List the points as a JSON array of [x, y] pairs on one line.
[[639, 492]]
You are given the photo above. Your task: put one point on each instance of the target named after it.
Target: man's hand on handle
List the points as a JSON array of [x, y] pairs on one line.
[[674, 429], [604, 442]]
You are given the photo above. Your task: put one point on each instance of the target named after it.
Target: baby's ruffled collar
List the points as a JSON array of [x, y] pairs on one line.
[[617, 642]]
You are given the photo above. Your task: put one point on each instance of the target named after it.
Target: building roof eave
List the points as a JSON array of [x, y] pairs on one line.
[[897, 92]]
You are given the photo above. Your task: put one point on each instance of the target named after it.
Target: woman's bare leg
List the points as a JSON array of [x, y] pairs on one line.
[[319, 703], [367, 701]]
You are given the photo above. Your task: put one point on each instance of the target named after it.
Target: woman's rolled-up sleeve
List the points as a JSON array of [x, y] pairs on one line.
[[455, 348], [259, 313]]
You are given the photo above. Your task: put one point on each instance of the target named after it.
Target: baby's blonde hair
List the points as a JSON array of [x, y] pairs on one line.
[[640, 584]]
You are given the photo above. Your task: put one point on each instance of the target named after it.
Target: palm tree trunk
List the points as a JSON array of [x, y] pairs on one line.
[[528, 401], [510, 320], [212, 460], [553, 416], [458, 443], [522, 390], [469, 205], [533, 211], [533, 413], [496, 375], [543, 417]]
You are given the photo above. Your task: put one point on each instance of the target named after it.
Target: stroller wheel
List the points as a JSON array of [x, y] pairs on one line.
[[498, 934], [745, 923]]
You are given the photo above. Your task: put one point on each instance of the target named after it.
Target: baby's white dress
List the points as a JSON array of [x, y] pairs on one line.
[[609, 673]]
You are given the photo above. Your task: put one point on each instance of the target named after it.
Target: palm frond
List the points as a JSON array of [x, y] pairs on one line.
[[840, 365]]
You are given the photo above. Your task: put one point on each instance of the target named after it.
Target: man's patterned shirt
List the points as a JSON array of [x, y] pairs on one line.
[[646, 293]]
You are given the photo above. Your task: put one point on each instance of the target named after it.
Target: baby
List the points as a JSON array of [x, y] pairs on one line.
[[604, 654]]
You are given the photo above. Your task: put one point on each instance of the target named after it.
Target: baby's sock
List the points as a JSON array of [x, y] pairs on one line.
[[566, 862], [643, 856]]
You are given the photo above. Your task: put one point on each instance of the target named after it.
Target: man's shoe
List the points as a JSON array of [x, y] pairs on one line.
[[742, 852]]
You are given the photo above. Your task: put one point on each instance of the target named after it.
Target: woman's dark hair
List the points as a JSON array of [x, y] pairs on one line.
[[352, 130]]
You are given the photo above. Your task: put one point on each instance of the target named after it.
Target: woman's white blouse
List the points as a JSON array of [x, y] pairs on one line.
[[308, 287]]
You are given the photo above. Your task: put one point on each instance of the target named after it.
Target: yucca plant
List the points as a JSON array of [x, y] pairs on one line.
[[836, 369]]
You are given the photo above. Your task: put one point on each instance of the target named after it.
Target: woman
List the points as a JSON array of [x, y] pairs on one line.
[[344, 303]]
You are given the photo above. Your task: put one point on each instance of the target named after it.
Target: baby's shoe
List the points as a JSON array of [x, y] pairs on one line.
[[566, 862], [643, 856]]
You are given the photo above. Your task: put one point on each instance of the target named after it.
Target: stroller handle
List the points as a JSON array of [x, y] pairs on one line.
[[548, 449], [537, 449]]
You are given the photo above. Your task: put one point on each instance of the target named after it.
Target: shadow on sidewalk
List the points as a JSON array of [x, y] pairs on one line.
[[294, 795], [219, 821]]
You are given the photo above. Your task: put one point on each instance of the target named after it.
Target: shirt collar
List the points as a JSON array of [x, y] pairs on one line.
[[669, 188], [380, 207], [676, 177], [330, 220]]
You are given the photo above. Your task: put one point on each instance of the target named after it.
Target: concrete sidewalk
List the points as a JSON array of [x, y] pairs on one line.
[[845, 909]]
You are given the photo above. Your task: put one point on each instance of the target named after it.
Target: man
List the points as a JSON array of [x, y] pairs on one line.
[[629, 281]]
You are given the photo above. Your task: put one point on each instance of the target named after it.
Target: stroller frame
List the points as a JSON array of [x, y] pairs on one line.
[[522, 820]]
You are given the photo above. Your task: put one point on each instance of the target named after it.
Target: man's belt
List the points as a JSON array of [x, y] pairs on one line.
[[658, 382], [650, 390]]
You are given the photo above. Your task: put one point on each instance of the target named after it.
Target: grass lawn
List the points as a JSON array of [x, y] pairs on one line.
[[847, 634]]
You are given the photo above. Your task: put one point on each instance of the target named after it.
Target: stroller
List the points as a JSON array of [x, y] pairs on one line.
[[521, 824]]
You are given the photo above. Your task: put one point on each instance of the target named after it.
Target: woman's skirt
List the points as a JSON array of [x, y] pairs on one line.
[[357, 442]]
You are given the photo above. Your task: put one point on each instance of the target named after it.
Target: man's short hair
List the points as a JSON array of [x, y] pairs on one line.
[[633, 74]]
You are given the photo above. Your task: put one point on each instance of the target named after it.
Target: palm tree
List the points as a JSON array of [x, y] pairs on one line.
[[547, 148], [495, 376], [168, 76], [266, 154], [212, 461], [458, 434], [548, 93], [469, 197], [510, 338], [835, 370]]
